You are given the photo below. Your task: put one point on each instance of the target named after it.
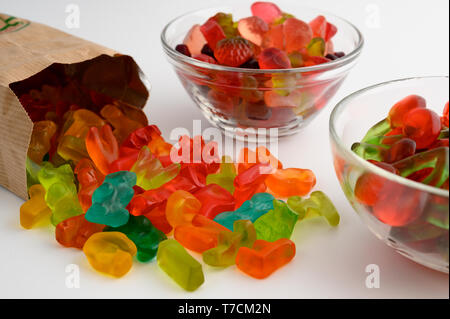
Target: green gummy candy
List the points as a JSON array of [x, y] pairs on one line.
[[143, 234], [278, 223], [251, 210], [225, 176], [381, 128], [32, 172], [437, 158], [175, 261], [109, 201], [60, 191], [224, 254], [318, 204]]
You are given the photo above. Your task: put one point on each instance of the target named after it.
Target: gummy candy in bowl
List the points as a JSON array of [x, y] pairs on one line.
[[391, 156], [247, 67]]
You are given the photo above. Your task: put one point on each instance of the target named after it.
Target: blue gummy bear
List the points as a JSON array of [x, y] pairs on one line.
[[251, 210], [109, 201]]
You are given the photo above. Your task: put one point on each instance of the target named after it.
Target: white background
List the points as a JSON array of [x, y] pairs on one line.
[[411, 40]]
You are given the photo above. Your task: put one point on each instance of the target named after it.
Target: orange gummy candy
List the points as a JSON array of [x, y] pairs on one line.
[[291, 182], [74, 231], [202, 234], [102, 147], [181, 208], [265, 257]]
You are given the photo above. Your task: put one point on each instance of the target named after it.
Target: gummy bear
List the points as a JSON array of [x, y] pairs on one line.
[[75, 231], [265, 257], [60, 191], [123, 125], [224, 254], [278, 223], [72, 148], [110, 252], [42, 133], [102, 147], [143, 234], [175, 261], [150, 172], [35, 209], [251, 210], [111, 198], [291, 181]]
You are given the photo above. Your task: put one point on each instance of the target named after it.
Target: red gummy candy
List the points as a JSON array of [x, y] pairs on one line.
[[274, 38], [297, 34], [369, 186], [215, 200], [233, 51], [399, 205], [213, 33], [158, 218], [399, 150], [400, 109], [195, 40], [445, 115], [253, 29], [423, 126], [321, 28], [273, 58], [204, 58], [267, 11], [74, 231]]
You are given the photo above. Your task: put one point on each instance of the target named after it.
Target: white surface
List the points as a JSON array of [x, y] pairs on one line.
[[412, 40]]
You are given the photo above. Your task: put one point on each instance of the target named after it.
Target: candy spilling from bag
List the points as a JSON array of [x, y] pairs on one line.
[[112, 186]]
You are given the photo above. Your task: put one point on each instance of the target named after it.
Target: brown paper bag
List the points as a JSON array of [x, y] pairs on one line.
[[31, 54]]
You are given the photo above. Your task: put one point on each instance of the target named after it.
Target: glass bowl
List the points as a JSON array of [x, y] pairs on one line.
[[240, 101], [415, 215]]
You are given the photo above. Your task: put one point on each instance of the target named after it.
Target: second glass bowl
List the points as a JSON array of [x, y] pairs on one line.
[[239, 101], [416, 216]]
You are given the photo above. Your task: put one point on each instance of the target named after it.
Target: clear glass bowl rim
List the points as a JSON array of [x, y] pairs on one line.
[[338, 109], [320, 67]]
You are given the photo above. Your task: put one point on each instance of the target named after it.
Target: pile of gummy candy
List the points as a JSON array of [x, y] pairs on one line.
[[413, 142], [113, 187], [269, 39]]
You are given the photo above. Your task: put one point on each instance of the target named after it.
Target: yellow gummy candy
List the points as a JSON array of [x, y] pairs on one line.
[[110, 252], [35, 209]]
